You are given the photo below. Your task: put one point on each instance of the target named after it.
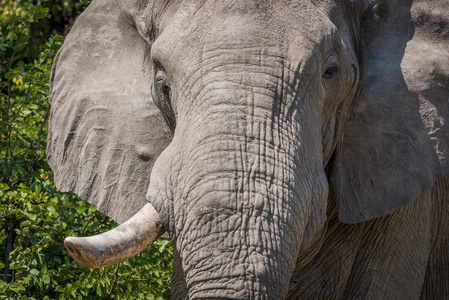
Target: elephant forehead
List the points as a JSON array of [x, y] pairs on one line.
[[280, 24]]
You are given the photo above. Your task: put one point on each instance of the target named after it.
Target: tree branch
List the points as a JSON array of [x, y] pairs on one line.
[[115, 281], [33, 162], [7, 275]]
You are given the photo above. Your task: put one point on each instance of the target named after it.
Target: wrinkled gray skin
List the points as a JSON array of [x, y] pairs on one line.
[[293, 149]]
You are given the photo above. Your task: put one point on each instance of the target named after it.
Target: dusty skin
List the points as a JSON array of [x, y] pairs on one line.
[[291, 149]]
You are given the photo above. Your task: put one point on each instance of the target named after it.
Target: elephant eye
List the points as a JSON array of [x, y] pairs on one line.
[[330, 72], [331, 66], [162, 98]]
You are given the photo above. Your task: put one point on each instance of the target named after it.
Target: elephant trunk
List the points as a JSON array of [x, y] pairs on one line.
[[237, 198], [119, 244]]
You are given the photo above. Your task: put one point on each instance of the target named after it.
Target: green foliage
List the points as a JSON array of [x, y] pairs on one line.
[[34, 216]]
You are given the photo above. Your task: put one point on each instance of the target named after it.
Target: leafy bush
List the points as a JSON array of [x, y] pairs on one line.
[[34, 216]]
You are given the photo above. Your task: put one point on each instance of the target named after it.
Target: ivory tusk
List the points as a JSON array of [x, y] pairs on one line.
[[118, 244]]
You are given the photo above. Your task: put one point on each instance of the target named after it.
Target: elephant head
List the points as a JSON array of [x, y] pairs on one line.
[[237, 121]]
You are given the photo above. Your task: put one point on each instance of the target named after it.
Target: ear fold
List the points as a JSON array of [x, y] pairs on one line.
[[396, 142], [105, 131]]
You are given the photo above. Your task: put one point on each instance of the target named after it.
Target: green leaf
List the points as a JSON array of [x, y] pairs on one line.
[[127, 264], [40, 257], [92, 209], [82, 206], [17, 287], [40, 13], [9, 75], [99, 291], [34, 272], [33, 106], [31, 216], [46, 279], [44, 269], [23, 38], [51, 209], [163, 244]]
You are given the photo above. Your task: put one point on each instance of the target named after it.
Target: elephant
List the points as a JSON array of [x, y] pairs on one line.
[[290, 149]]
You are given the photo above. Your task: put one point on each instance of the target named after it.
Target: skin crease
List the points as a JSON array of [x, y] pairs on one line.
[[269, 133]]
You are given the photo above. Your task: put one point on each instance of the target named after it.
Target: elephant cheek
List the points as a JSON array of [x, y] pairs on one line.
[[160, 192], [318, 206]]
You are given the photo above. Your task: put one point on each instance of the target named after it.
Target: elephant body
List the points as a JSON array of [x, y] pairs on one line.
[[291, 149], [402, 255]]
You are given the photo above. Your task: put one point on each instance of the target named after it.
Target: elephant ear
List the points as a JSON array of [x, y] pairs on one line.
[[105, 131], [395, 144]]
